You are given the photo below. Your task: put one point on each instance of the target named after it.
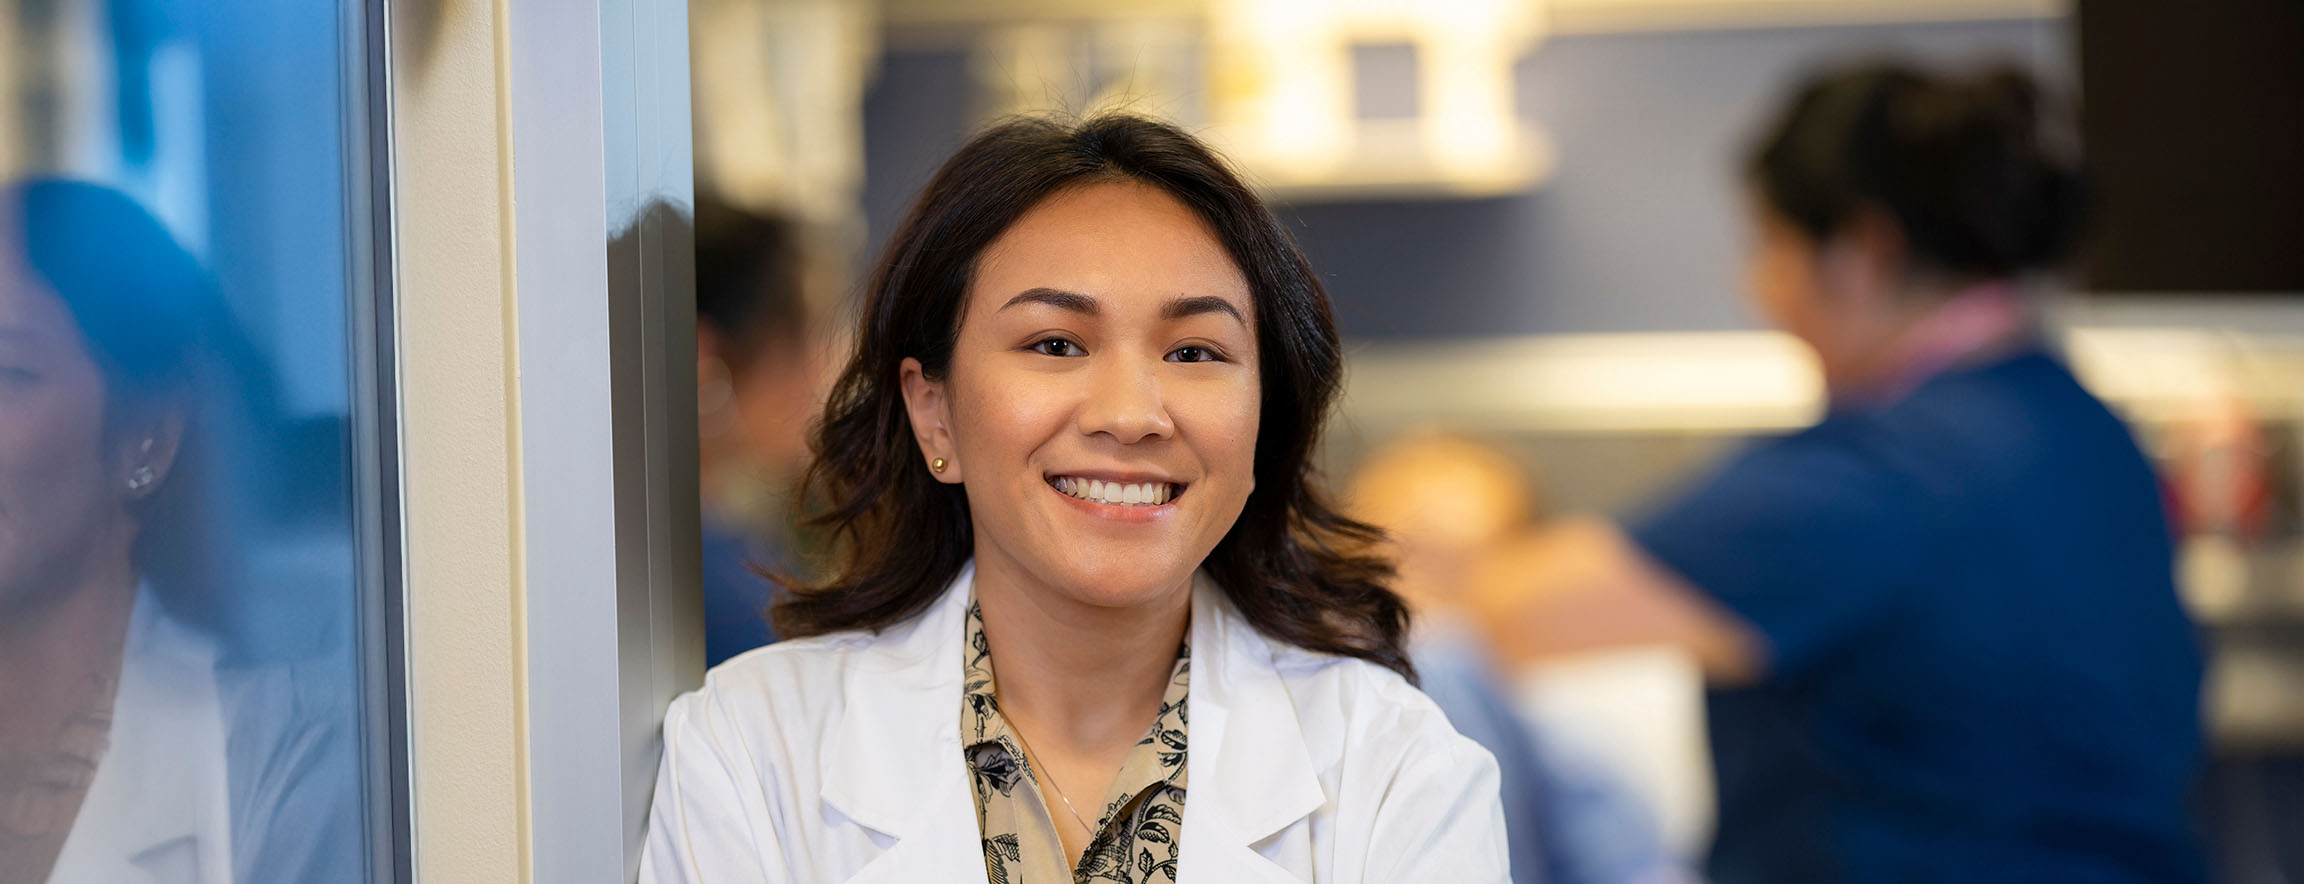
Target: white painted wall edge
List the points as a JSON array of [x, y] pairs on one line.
[[450, 156]]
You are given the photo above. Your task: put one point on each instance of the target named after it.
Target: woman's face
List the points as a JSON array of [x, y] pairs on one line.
[[1102, 401], [1840, 296], [57, 486], [1781, 274]]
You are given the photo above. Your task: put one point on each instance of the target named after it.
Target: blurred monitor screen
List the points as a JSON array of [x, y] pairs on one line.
[[2194, 118]]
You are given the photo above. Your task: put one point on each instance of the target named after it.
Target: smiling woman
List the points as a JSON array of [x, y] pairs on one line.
[[1082, 555], [1120, 201]]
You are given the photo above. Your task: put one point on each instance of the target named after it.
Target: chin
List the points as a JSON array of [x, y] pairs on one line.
[[1120, 580]]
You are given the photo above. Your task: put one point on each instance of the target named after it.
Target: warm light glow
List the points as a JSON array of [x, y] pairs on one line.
[[1283, 94]]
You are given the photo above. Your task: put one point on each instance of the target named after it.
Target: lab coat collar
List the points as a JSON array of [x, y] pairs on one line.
[[1250, 771], [159, 808], [903, 695]]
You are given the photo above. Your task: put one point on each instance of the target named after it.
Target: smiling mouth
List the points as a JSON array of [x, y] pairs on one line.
[[1145, 494]]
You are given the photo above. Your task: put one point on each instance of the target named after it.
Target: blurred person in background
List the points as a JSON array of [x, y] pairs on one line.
[[136, 745], [756, 387], [1448, 503], [1942, 622]]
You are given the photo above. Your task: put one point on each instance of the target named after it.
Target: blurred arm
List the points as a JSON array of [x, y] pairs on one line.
[[1583, 585], [1769, 567]]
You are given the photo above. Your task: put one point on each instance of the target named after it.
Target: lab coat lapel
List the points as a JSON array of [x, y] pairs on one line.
[[159, 809], [943, 847], [905, 687], [1251, 775]]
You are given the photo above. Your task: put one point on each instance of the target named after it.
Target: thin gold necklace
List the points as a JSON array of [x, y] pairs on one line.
[[1059, 787]]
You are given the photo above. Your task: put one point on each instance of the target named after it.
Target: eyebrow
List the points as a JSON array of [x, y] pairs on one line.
[[1201, 304], [1062, 300], [1075, 302]]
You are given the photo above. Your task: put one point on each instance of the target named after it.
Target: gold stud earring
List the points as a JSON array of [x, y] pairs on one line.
[[938, 466]]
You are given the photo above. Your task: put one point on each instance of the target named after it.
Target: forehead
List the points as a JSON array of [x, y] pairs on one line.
[[27, 308], [1122, 242]]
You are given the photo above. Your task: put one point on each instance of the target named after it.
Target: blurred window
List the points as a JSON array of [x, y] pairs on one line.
[[198, 598]]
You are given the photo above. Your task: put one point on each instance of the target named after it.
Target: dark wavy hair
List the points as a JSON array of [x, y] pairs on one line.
[[1983, 178], [1295, 567], [156, 326]]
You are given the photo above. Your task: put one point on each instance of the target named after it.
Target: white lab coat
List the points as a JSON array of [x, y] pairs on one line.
[[838, 758], [159, 810], [218, 770]]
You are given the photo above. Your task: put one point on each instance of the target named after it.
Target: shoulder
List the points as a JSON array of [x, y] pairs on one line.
[[777, 663], [1307, 670], [778, 687], [1408, 797], [1349, 707], [284, 715], [781, 707], [1852, 469], [1979, 409], [2030, 407], [290, 752]]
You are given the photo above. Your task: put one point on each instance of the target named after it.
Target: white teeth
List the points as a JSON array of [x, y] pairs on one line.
[[1140, 494]]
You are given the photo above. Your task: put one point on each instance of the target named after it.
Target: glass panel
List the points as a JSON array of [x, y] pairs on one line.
[[196, 558]]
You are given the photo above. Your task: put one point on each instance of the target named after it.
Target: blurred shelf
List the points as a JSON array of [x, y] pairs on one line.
[[2254, 696], [2227, 586]]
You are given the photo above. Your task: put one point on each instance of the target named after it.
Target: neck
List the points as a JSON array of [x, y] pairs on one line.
[[1969, 326], [1082, 676], [55, 638]]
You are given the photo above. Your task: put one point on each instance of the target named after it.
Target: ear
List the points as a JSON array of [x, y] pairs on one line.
[[931, 413], [151, 453], [1866, 259]]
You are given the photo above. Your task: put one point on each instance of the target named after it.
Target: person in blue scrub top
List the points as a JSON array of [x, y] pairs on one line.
[[1941, 622]]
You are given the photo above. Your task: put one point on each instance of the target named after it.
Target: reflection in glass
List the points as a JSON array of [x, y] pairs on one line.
[[140, 740], [186, 695]]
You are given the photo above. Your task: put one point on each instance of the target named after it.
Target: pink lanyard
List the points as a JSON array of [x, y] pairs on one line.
[[1967, 325]]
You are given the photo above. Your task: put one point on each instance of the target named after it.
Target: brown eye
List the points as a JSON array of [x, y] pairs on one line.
[[1055, 347], [1194, 354]]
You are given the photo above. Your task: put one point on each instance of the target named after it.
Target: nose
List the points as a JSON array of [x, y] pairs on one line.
[[1124, 402]]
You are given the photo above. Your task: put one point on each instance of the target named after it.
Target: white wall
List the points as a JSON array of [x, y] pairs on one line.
[[459, 442]]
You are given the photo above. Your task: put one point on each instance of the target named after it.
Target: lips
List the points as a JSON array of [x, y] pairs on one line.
[[1117, 493]]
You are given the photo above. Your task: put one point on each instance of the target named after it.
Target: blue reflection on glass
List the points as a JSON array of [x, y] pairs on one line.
[[178, 661], [163, 734]]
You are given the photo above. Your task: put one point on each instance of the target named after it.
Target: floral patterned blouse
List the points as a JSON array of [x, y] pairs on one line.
[[1136, 832]]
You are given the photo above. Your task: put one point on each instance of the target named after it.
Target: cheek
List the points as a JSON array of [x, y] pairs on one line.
[[1220, 422], [48, 433], [1783, 287], [1000, 418], [52, 473]]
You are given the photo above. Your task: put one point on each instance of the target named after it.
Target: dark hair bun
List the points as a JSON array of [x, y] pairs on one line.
[[1983, 179]]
